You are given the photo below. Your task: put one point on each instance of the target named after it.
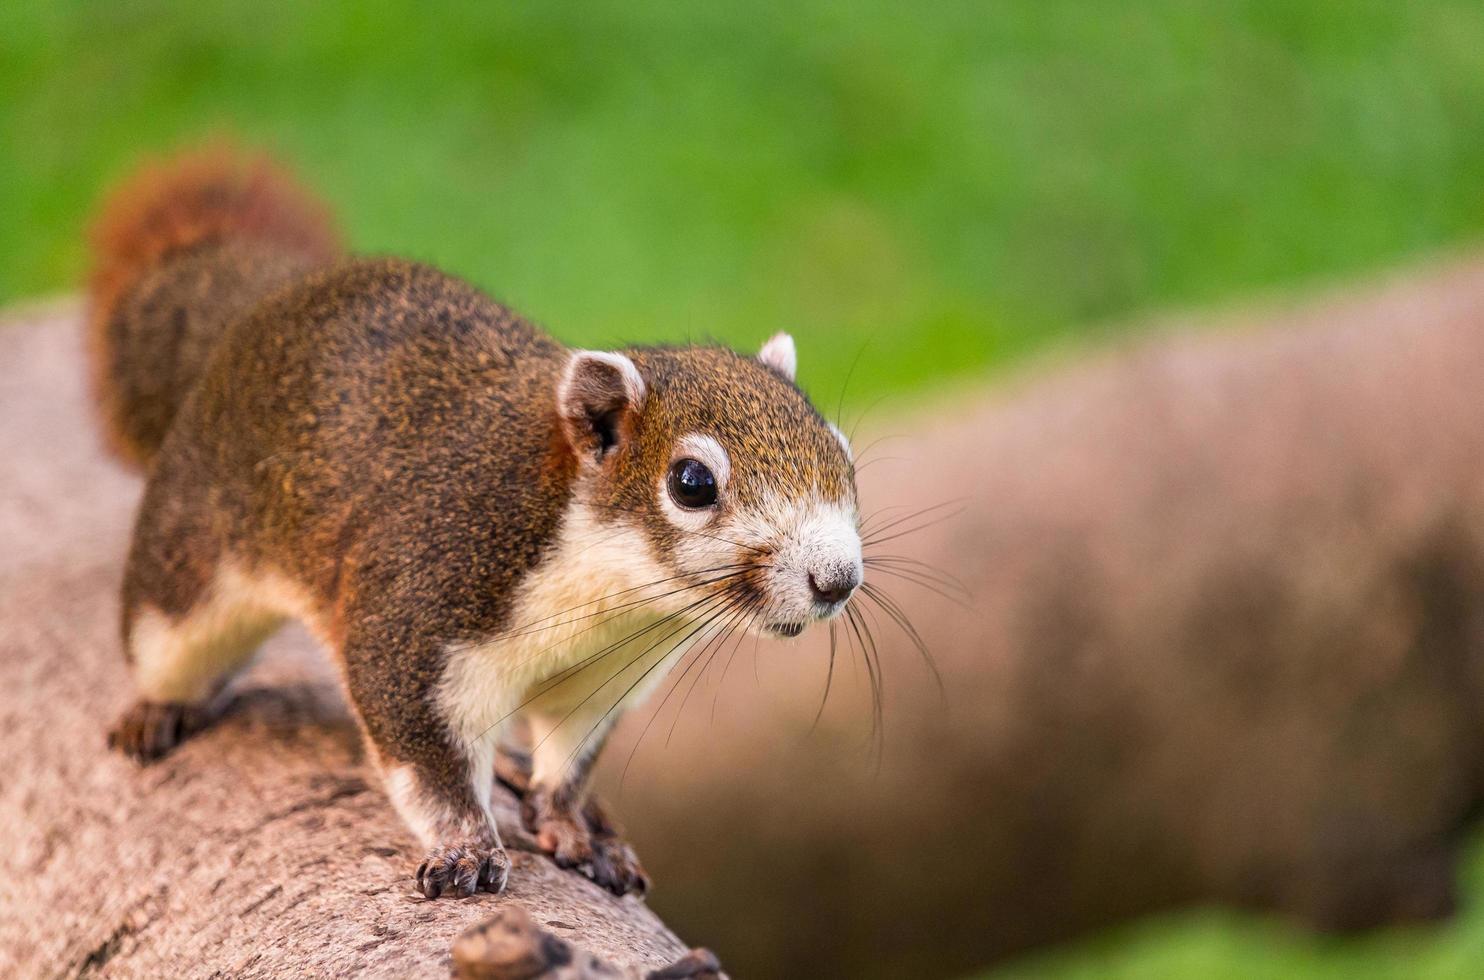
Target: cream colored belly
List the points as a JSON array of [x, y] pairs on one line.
[[568, 682]]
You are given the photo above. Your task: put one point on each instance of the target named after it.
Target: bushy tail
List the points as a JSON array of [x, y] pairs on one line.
[[181, 250]]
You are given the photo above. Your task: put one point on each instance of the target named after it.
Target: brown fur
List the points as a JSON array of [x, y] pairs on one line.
[[165, 212]]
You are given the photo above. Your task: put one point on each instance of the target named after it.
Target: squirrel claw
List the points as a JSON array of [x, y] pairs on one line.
[[462, 869]]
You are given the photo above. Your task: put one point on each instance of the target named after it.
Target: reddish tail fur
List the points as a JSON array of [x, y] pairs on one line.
[[168, 210]]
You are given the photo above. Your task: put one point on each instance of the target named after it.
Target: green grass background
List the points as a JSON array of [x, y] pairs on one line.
[[932, 190], [933, 187], [1219, 945]]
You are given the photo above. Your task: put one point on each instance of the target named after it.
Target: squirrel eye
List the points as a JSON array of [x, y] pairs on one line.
[[692, 485]]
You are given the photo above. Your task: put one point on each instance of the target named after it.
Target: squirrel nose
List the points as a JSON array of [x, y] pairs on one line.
[[835, 586]]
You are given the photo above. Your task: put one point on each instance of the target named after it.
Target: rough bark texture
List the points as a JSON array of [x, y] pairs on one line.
[[263, 847], [1226, 645]]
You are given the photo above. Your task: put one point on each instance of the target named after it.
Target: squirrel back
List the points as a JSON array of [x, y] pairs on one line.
[[180, 251]]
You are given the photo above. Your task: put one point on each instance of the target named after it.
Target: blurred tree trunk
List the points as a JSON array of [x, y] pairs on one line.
[[1225, 644]]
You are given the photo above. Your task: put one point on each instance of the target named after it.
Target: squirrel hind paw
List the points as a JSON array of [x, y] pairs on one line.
[[149, 730], [584, 840], [616, 867]]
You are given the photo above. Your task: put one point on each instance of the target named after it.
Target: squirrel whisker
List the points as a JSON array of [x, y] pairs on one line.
[[870, 655], [719, 600], [572, 670], [709, 651], [898, 522], [736, 605], [829, 676], [534, 625], [928, 577], [691, 630], [898, 615], [613, 614], [757, 614]]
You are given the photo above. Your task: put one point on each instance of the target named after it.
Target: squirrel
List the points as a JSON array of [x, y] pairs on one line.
[[490, 531]]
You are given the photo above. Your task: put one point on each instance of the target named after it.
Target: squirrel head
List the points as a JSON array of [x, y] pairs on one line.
[[743, 494]]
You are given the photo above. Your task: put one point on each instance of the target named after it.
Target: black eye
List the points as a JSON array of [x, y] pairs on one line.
[[692, 485]]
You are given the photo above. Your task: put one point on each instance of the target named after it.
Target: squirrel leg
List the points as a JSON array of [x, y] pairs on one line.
[[438, 783], [191, 619], [441, 800], [513, 768], [569, 823], [180, 662]]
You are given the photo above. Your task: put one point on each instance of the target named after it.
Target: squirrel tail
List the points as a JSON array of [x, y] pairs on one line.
[[181, 250]]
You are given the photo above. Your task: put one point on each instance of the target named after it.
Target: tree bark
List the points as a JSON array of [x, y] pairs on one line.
[[263, 847]]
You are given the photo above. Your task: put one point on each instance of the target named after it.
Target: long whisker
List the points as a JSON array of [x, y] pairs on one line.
[[854, 363], [874, 541], [926, 586], [868, 620], [920, 568], [873, 444], [880, 513], [921, 581], [658, 710], [535, 625], [897, 522], [860, 467], [713, 645], [889, 606], [705, 624], [829, 677], [866, 411], [636, 659], [617, 615], [562, 675], [760, 613], [868, 649], [516, 630], [633, 749], [918, 571]]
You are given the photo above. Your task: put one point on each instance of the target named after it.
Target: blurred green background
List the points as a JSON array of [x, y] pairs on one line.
[[930, 190], [1223, 945], [935, 188]]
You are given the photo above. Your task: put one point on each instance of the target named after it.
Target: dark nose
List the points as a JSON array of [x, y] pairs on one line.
[[834, 586]]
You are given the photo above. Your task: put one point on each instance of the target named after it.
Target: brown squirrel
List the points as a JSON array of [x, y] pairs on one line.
[[483, 525]]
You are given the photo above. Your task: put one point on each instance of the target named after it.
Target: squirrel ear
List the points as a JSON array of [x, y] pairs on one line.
[[779, 354], [597, 397]]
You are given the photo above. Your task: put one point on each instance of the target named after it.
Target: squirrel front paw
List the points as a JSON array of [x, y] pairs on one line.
[[578, 839], [462, 869]]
